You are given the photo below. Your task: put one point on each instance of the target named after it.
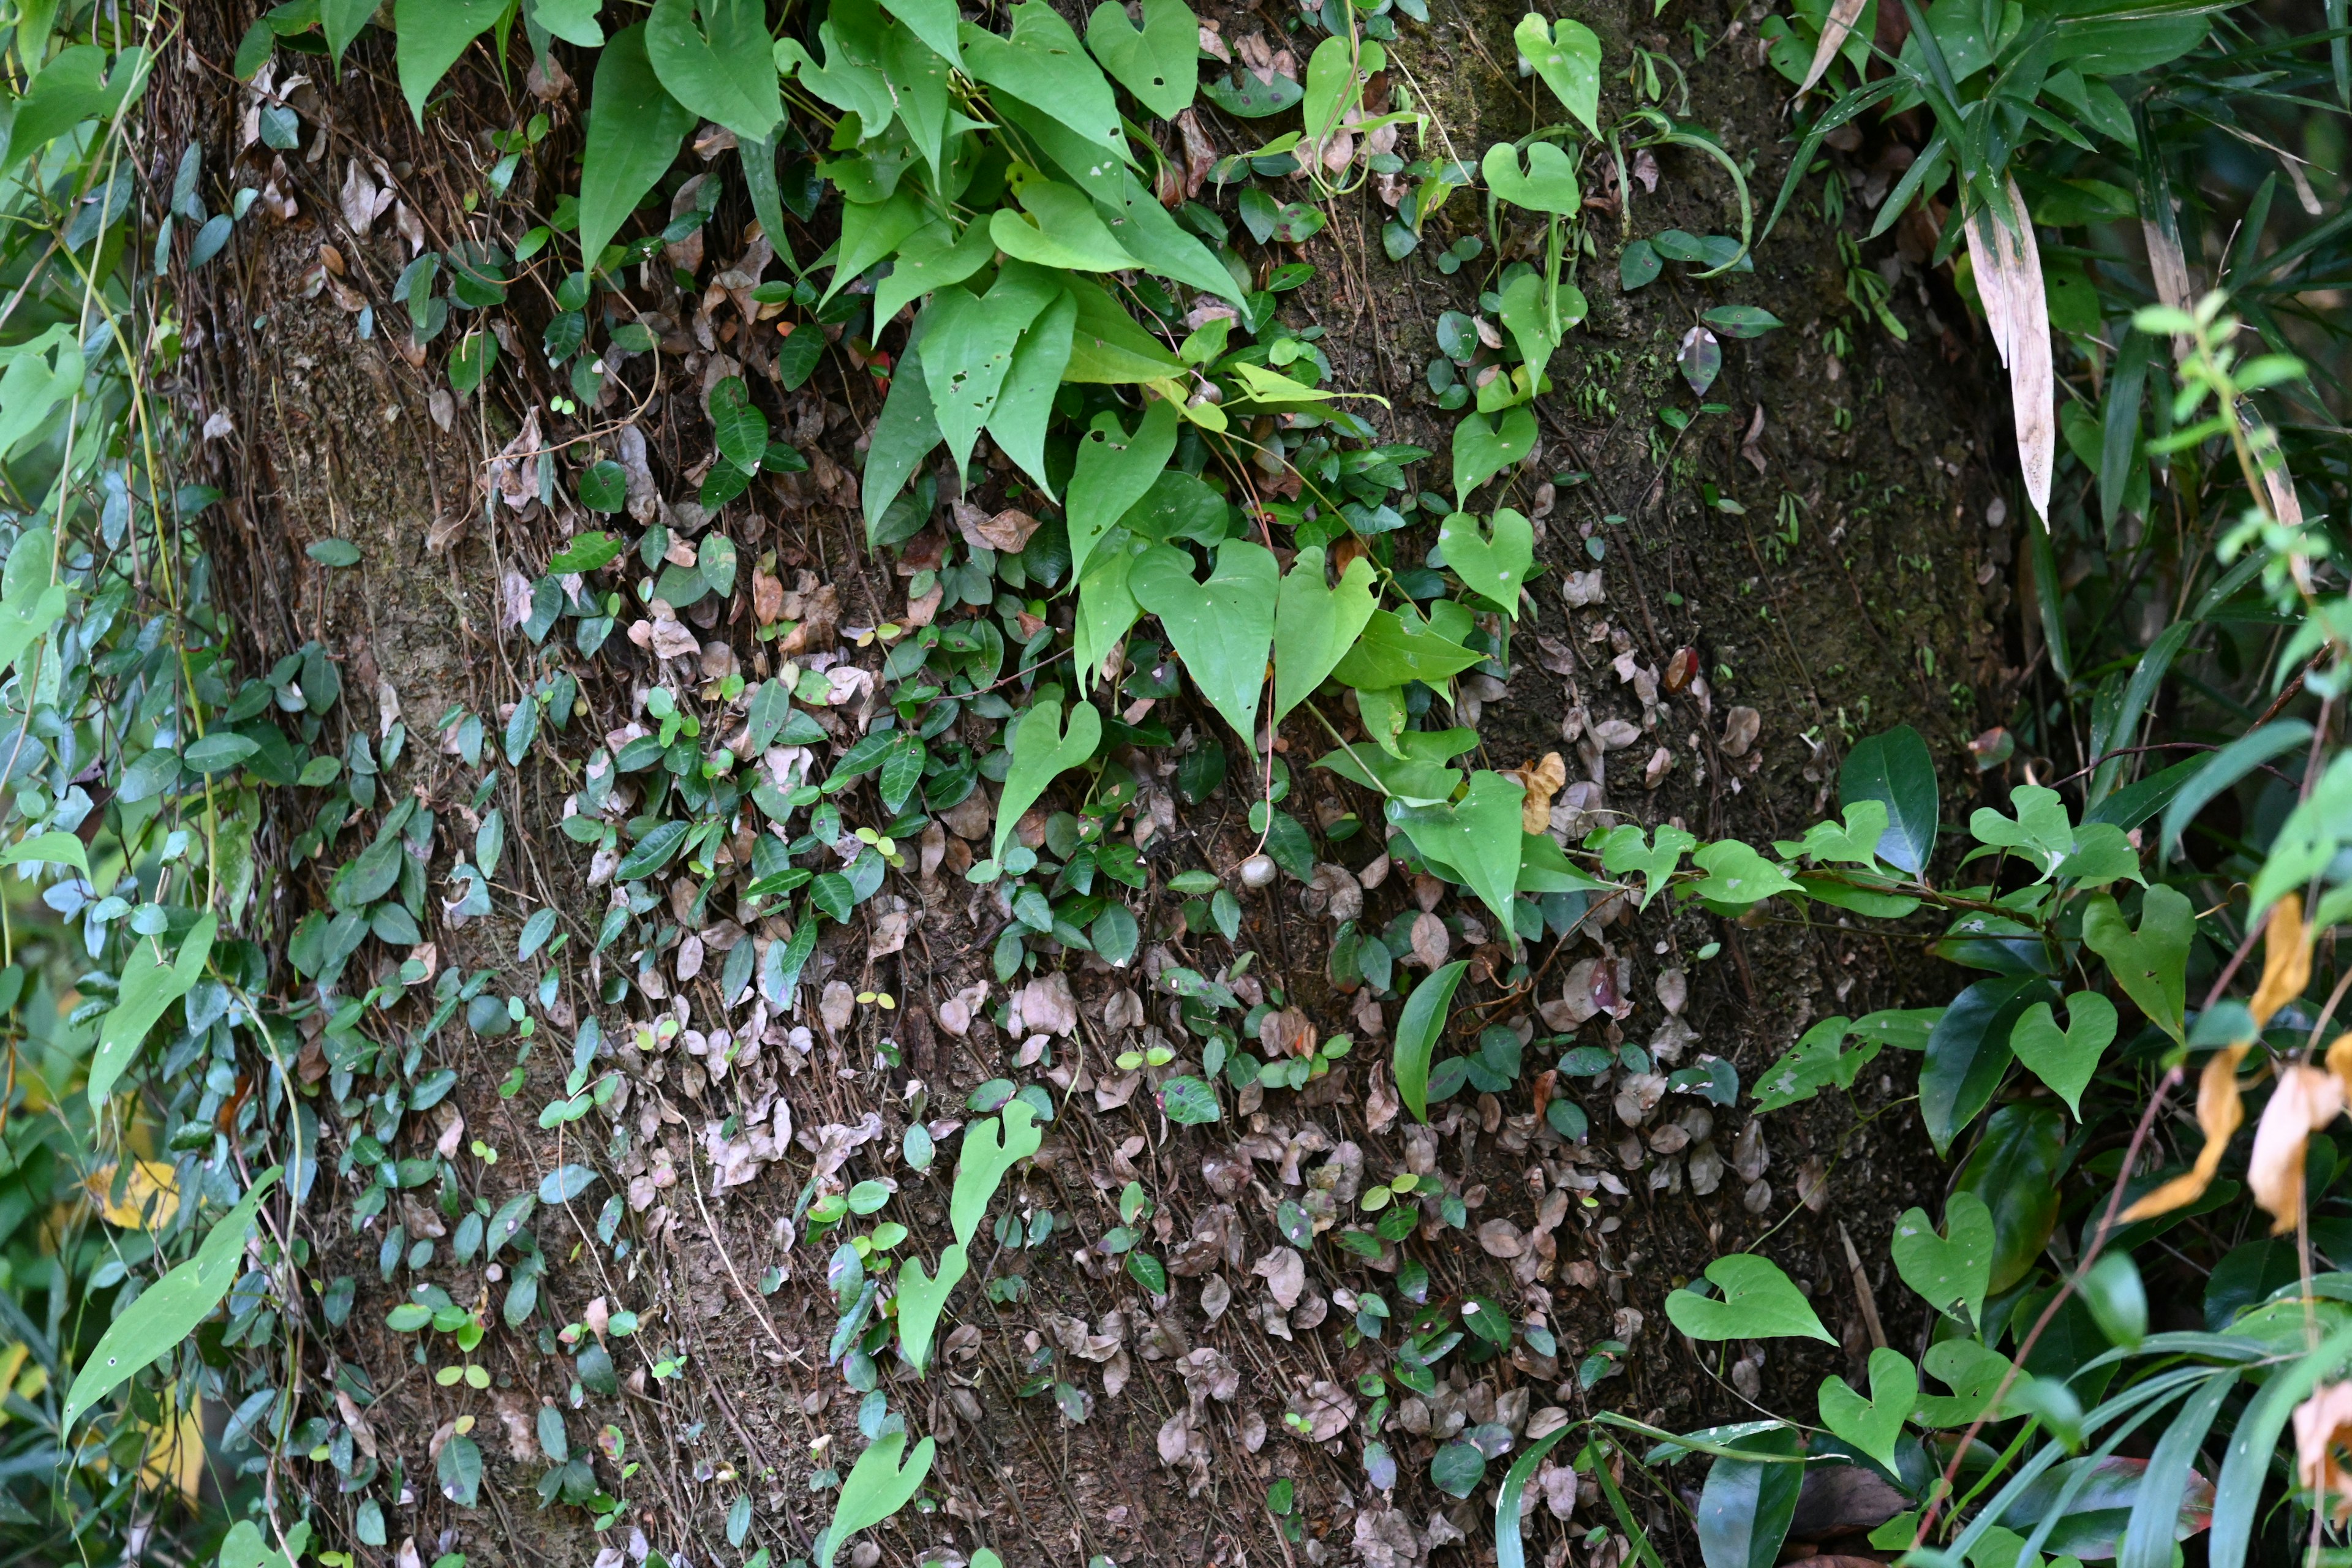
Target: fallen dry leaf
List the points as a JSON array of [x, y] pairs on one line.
[[1541, 781]]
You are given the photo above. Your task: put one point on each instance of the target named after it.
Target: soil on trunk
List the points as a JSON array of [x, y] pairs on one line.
[[1726, 606]]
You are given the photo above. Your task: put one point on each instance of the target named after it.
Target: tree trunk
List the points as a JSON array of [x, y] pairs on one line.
[[1827, 547]]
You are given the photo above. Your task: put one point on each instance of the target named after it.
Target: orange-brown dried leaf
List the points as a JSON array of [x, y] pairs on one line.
[[2219, 1112], [2286, 960], [2305, 1100]]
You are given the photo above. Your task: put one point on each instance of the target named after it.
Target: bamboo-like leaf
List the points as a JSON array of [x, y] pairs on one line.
[[2007, 266]]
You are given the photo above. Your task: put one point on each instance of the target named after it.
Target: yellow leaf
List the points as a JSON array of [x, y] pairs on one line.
[[151, 1195], [2286, 960], [2219, 1113], [174, 1451], [2305, 1100]]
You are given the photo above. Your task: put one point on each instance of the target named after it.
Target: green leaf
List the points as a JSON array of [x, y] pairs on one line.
[[2152, 963], [585, 553], [770, 705], [1626, 849], [1970, 1371], [1741, 321], [565, 1183], [431, 35], [1042, 65], [1457, 1468], [1872, 1425], [635, 130], [56, 849], [968, 343], [991, 1148], [921, 1297], [334, 553], [1510, 1551], [1819, 1060], [724, 70], [1759, 1303], [903, 437], [934, 22], [1316, 625], [1895, 768], [1476, 838], [1042, 753], [1536, 320], [149, 985], [1246, 97], [2066, 1058], [220, 750], [1737, 875], [877, 1488], [1494, 561], [1389, 652], [1161, 62], [2042, 831], [167, 1312], [1114, 470], [1745, 1508], [342, 21], [1953, 1270], [1969, 1051], [931, 258], [1025, 404], [573, 21], [1418, 1028], [1222, 628], [1481, 450], [1187, 1102], [1546, 185], [1062, 230], [736, 426], [653, 852], [1568, 57], [2014, 1172]]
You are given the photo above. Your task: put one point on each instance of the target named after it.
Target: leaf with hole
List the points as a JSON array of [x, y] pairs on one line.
[[1245, 97], [1159, 63], [968, 345], [1759, 1303], [1222, 628], [1115, 470]]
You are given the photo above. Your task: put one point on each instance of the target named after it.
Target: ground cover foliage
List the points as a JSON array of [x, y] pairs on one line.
[[1255, 1151]]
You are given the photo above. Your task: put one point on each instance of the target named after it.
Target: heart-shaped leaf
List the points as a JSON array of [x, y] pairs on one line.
[[968, 349], [1482, 450], [1040, 752], [1952, 1271], [1246, 96], [921, 1299], [2151, 964], [1568, 57], [1536, 320], [1315, 625], [1872, 1425], [723, 70], [1222, 628], [1759, 1303], [2066, 1058], [1548, 183], [1492, 563], [878, 1488], [991, 1148], [1115, 470], [1159, 64], [1063, 230], [1476, 840]]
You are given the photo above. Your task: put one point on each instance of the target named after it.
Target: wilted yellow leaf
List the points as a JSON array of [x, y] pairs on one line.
[[2219, 1113], [151, 1195], [2286, 960], [2305, 1100]]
